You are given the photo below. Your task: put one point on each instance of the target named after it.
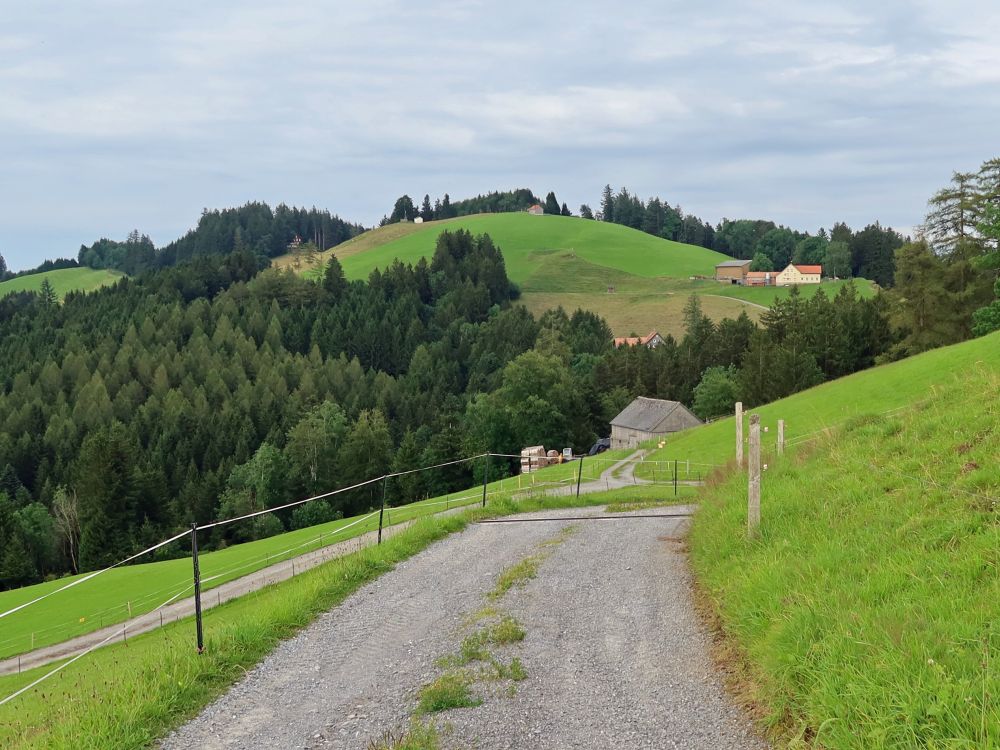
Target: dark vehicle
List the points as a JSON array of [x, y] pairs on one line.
[[600, 446]]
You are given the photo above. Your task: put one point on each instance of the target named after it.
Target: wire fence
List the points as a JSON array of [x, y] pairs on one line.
[[564, 478], [145, 603]]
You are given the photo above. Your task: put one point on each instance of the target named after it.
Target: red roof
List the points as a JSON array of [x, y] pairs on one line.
[[808, 269], [635, 340], [760, 274]]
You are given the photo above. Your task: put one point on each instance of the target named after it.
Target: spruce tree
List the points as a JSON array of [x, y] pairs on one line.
[[552, 205]]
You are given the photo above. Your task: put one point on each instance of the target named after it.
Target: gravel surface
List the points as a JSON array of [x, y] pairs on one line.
[[614, 654]]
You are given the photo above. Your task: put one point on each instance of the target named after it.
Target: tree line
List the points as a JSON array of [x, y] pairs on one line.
[[497, 202], [253, 227]]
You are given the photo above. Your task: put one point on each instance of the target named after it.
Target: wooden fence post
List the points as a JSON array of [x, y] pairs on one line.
[[753, 501], [739, 434], [781, 437]]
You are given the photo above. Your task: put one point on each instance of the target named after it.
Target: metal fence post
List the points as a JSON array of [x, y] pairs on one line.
[[197, 587], [753, 499], [675, 477], [381, 512], [579, 476]]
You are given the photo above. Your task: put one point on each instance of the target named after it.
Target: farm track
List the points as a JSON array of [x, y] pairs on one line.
[[617, 476], [614, 653]]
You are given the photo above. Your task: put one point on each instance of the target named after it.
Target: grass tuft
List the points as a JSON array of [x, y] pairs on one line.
[[419, 736], [516, 575], [449, 690]]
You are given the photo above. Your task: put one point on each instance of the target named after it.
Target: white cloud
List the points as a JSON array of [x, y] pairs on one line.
[[133, 113]]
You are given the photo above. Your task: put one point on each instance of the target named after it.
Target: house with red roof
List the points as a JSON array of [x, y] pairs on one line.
[[798, 273], [536, 210], [651, 339]]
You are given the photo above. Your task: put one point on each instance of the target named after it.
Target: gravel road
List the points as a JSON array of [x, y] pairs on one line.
[[615, 656], [279, 571]]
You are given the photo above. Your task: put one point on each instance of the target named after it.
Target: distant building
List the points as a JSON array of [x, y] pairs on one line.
[[294, 244], [651, 339], [536, 210], [760, 278], [649, 418], [796, 273], [418, 220], [732, 271]]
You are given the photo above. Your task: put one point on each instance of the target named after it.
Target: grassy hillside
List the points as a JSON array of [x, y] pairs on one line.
[[868, 611], [572, 262], [873, 391], [63, 281]]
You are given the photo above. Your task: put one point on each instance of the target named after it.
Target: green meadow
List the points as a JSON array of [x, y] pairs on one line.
[[63, 281], [528, 241], [866, 615], [637, 282]]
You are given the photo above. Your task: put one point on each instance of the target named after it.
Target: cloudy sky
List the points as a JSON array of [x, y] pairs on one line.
[[117, 115]]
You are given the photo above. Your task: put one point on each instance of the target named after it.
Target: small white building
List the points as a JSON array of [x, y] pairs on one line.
[[418, 220]]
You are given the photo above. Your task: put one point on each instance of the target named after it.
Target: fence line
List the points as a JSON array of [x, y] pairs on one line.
[[401, 510]]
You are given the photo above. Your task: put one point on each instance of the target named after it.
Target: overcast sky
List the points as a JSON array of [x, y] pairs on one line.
[[117, 115]]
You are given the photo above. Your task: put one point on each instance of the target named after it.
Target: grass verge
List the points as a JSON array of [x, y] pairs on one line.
[[867, 613]]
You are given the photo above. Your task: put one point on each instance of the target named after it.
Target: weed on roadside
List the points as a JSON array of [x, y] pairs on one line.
[[450, 690], [420, 736]]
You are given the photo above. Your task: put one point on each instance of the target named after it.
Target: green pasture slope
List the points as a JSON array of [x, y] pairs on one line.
[[131, 590], [867, 612], [527, 241], [832, 404], [63, 281], [635, 281]]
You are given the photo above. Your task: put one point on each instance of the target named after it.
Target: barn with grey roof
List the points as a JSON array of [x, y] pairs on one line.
[[649, 418]]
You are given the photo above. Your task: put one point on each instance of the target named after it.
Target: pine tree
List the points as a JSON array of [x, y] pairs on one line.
[[607, 204], [565, 210], [426, 212], [551, 204], [953, 214], [47, 293]]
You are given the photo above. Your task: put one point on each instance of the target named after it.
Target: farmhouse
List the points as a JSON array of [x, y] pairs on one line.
[[536, 210], [800, 274], [732, 271], [648, 418], [651, 339]]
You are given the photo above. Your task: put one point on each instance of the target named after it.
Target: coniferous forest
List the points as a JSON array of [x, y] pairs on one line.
[[211, 388]]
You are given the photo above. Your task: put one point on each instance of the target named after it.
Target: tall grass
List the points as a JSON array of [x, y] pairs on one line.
[[868, 612]]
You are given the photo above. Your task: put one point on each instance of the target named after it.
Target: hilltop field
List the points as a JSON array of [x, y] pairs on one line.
[[637, 282], [63, 281]]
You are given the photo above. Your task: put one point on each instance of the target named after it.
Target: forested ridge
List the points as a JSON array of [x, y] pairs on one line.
[[210, 385], [212, 389]]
